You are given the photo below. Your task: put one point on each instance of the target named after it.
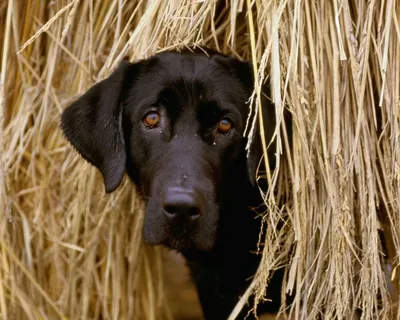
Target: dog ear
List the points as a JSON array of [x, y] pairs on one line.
[[255, 152], [92, 124]]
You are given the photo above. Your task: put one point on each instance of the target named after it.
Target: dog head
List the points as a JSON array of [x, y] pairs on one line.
[[174, 123]]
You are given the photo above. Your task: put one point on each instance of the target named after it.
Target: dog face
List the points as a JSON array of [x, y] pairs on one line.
[[175, 123]]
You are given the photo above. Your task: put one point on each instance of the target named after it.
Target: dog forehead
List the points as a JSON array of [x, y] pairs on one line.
[[195, 80], [185, 74], [185, 64], [186, 71]]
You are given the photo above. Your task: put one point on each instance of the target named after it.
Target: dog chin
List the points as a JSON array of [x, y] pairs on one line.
[[182, 244], [194, 241]]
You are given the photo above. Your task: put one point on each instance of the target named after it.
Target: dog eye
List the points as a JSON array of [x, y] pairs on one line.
[[152, 119], [224, 126]]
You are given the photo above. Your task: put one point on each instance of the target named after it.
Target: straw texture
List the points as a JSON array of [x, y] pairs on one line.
[[69, 251]]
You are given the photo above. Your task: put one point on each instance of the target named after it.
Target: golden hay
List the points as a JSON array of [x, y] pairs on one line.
[[69, 251]]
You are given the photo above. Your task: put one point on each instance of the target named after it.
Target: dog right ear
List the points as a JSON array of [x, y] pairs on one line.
[[92, 124]]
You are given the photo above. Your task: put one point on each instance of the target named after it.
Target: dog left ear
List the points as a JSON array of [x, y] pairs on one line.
[[255, 152], [92, 124]]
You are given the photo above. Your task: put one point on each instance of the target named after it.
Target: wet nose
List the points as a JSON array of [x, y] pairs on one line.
[[181, 204]]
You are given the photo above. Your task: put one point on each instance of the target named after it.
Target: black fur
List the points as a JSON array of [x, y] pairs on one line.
[[197, 182]]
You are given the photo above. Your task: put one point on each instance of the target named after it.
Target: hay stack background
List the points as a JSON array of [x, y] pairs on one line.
[[68, 251]]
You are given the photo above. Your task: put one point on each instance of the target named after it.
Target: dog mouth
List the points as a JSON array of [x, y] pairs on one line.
[[181, 243], [183, 237]]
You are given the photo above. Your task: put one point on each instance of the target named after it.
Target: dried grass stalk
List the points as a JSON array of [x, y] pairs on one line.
[[68, 251]]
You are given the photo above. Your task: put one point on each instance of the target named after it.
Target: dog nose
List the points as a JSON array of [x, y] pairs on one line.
[[181, 203]]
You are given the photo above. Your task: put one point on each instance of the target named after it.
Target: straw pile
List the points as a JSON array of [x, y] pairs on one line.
[[68, 251]]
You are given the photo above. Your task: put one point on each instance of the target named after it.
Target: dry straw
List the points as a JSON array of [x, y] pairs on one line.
[[68, 251]]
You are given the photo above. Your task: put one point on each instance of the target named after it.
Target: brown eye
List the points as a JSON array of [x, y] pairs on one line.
[[152, 119], [224, 126]]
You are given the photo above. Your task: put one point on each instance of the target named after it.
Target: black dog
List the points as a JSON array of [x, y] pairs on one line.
[[175, 123]]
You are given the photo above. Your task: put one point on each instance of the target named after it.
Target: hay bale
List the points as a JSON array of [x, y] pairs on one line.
[[69, 251]]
